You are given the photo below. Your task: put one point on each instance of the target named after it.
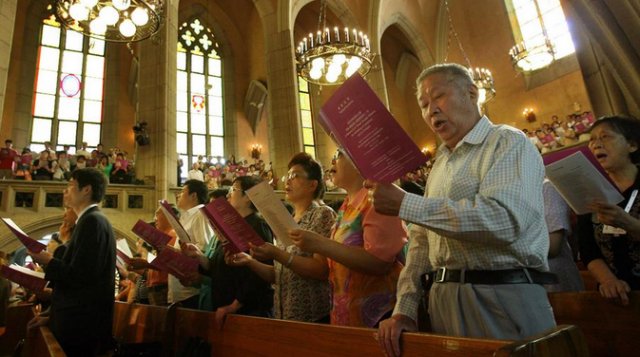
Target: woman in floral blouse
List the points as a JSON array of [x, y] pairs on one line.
[[302, 291], [362, 254]]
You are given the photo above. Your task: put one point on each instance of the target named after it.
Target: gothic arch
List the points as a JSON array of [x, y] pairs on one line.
[[422, 50]]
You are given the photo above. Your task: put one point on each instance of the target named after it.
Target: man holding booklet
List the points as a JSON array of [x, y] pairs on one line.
[[479, 233], [84, 277], [192, 198]]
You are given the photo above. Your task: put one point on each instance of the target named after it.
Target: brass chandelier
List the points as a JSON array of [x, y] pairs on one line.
[[534, 55], [114, 20], [482, 77], [330, 56]]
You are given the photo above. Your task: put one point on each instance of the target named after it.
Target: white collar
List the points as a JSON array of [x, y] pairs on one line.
[[85, 210]]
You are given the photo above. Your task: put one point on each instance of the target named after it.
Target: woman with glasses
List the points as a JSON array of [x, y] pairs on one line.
[[237, 289], [609, 239], [362, 254], [301, 287]]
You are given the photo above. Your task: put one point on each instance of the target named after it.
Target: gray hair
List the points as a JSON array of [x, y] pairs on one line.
[[453, 71]]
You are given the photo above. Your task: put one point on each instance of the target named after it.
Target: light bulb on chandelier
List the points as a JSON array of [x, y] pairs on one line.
[[111, 20], [482, 77], [329, 57]]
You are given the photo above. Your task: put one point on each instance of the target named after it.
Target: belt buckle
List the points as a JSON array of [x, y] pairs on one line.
[[441, 274]]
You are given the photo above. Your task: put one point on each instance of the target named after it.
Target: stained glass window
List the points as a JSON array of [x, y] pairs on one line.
[[532, 14], [199, 104], [67, 109], [306, 118]]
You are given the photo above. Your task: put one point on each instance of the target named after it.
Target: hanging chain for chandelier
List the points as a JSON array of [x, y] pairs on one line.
[[528, 56], [330, 57], [482, 77], [113, 20]]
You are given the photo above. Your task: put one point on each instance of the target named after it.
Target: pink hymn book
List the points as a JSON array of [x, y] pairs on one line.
[[360, 123], [30, 279], [233, 229], [150, 234], [31, 244]]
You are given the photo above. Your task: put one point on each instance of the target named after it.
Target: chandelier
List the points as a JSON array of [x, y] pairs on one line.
[[482, 77], [330, 57], [530, 56], [114, 20]]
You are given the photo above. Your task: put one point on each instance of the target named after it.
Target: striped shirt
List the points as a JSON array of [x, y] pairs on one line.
[[483, 209]]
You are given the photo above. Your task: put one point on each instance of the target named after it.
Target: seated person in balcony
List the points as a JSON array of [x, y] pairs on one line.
[[62, 170], [195, 173], [81, 162], [42, 168], [8, 157], [83, 151], [104, 165]]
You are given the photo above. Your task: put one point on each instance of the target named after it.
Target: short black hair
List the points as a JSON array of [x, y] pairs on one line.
[[219, 192], [629, 127], [8, 141], [312, 168], [246, 182], [199, 188], [93, 177]]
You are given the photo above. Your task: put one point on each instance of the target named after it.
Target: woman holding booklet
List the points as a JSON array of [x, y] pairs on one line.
[[300, 277], [609, 238], [237, 289], [362, 254]]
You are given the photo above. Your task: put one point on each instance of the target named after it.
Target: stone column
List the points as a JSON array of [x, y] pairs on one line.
[[157, 104], [284, 123], [7, 21]]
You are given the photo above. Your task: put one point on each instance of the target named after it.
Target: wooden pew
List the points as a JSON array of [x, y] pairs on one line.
[[565, 340], [244, 336], [16, 327], [610, 329], [42, 343], [39, 342]]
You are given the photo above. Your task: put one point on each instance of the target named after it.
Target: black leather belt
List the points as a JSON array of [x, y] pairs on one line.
[[490, 277]]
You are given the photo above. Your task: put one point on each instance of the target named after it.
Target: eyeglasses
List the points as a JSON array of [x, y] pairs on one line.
[[293, 175], [233, 189]]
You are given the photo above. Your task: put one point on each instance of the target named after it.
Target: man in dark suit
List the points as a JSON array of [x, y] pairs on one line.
[[82, 301]]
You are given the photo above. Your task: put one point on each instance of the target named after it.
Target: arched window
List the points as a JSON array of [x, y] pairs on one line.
[[67, 106], [306, 118], [530, 15], [199, 108]]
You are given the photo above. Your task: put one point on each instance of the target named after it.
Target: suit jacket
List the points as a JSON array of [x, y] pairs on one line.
[[84, 277]]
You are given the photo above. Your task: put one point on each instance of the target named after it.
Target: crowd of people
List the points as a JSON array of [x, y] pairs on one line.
[[50, 164], [559, 133], [478, 241]]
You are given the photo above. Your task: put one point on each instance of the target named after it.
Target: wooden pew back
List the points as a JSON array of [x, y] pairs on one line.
[[565, 340], [244, 336], [610, 329], [16, 327]]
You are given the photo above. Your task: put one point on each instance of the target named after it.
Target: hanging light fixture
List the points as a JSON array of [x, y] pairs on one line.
[[330, 56], [114, 20], [529, 56], [482, 77]]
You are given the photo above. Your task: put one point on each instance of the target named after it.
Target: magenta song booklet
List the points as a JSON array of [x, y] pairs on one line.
[[361, 124], [150, 234], [237, 233], [31, 244]]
